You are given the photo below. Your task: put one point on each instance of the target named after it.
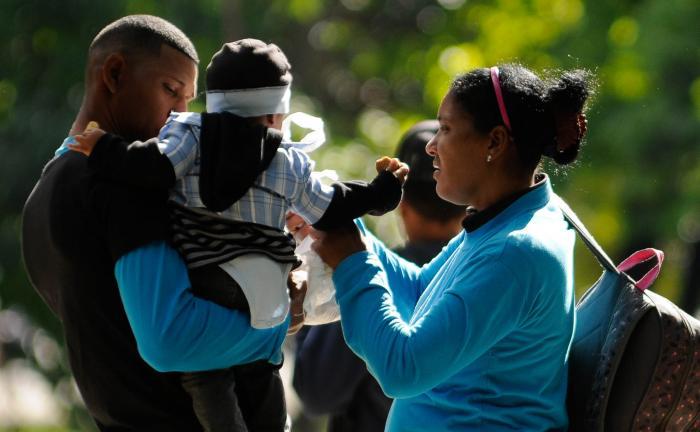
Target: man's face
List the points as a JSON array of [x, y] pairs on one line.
[[150, 88]]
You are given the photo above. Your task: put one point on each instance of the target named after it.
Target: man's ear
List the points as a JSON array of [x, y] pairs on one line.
[[498, 142], [113, 71]]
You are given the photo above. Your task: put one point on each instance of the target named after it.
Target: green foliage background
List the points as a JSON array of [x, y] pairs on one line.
[[371, 68]]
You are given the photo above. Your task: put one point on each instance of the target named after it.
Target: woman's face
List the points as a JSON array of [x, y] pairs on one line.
[[459, 154]]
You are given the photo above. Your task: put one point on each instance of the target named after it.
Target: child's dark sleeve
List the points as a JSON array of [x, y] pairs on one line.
[[138, 164], [352, 199], [130, 217]]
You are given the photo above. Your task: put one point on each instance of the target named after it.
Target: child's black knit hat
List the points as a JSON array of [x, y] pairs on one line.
[[248, 63]]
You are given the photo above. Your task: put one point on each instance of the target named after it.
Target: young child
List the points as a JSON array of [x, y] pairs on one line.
[[233, 180]]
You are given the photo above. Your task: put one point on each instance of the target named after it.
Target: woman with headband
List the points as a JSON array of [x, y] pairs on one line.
[[478, 338]]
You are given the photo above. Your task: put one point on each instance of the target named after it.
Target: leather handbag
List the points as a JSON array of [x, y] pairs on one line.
[[634, 363]]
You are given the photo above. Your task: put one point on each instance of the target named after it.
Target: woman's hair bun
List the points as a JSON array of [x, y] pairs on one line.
[[566, 98]]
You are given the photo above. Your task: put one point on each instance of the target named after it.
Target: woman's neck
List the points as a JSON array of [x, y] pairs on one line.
[[501, 187]]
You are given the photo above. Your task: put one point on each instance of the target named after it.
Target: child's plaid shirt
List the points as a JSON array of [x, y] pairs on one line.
[[289, 183]]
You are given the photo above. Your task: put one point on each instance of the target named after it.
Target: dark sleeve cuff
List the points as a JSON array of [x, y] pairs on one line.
[[108, 149], [138, 164], [135, 218], [353, 199], [387, 192]]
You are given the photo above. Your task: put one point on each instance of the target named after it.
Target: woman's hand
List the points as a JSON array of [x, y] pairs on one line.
[[336, 245]]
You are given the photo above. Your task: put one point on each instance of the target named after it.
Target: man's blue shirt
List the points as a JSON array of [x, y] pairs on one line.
[[176, 331]]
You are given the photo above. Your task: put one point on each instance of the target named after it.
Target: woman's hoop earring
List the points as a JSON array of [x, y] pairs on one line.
[[488, 158]]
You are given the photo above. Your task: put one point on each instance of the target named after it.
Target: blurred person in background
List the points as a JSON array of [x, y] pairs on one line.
[[328, 377]]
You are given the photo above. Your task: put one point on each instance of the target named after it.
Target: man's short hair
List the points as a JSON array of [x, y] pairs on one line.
[[247, 64], [135, 34], [419, 189]]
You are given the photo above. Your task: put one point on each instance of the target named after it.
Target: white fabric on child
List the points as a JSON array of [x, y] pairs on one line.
[[264, 283], [313, 139], [320, 306]]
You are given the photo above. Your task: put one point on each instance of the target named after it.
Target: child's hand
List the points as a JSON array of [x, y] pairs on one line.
[[394, 166], [297, 226], [86, 141]]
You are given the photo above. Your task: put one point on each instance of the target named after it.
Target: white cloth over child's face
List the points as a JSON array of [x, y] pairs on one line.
[[252, 102], [312, 140]]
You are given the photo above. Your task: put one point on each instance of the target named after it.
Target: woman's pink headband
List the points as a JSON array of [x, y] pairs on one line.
[[499, 96]]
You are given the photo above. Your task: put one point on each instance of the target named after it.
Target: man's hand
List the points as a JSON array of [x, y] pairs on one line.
[[87, 140], [394, 166], [297, 293]]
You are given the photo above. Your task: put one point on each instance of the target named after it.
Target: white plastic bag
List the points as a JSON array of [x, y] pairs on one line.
[[320, 306]]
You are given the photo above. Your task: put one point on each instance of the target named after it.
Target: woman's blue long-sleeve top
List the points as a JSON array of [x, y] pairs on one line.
[[178, 332], [491, 322]]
